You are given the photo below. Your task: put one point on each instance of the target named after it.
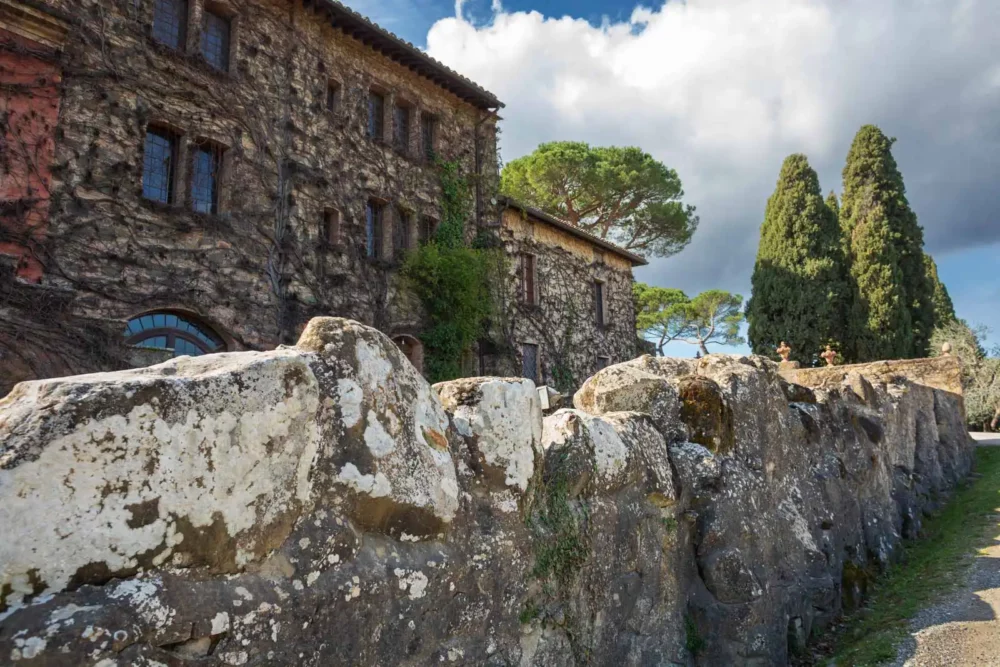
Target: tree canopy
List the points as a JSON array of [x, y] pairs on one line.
[[664, 315], [660, 313], [799, 292], [620, 194], [714, 316]]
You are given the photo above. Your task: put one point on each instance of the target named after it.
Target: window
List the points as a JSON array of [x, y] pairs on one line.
[[205, 163], [599, 303], [215, 40], [329, 233], [172, 331], [528, 280], [529, 361], [376, 115], [169, 22], [412, 349], [373, 228], [603, 362], [332, 95], [402, 231], [428, 127], [426, 231], [159, 158], [401, 127]]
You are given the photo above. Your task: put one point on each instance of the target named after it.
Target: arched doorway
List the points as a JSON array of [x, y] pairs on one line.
[[177, 332], [412, 349]]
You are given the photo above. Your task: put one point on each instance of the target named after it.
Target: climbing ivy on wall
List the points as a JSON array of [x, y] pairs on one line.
[[450, 279]]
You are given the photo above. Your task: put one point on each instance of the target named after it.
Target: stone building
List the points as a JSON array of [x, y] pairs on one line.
[[209, 174], [570, 311]]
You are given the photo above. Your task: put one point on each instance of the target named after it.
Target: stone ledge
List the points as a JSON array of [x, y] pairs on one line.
[[944, 373]]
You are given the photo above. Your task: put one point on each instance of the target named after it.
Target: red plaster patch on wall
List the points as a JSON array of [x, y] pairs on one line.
[[29, 110]]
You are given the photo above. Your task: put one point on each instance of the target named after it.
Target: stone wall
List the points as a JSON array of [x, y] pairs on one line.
[[267, 261], [322, 505]]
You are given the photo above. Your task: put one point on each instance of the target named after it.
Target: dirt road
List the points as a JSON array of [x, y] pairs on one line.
[[964, 628]]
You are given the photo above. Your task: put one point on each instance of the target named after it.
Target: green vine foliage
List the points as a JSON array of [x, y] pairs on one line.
[[450, 279]]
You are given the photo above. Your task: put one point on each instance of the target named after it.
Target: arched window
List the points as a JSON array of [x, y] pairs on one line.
[[166, 330]]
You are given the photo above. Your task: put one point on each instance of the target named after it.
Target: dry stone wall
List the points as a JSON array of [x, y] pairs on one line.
[[323, 505]]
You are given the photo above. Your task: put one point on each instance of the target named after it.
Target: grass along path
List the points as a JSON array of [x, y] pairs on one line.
[[933, 565]]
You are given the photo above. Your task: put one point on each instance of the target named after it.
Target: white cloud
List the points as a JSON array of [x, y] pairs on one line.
[[723, 90]]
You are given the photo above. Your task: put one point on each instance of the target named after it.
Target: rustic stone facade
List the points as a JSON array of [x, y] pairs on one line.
[[280, 111], [559, 273]]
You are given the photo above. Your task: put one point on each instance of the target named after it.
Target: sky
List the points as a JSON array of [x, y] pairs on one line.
[[723, 90]]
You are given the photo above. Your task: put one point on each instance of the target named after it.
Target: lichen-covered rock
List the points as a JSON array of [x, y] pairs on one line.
[[197, 462], [385, 429], [323, 505], [500, 421]]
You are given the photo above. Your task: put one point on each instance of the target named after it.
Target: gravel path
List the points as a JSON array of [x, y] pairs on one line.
[[964, 627]]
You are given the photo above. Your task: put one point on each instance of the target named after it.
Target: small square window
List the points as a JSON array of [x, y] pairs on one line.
[[206, 161], [169, 22], [401, 127], [603, 362], [158, 162], [376, 115], [215, 40], [373, 229]]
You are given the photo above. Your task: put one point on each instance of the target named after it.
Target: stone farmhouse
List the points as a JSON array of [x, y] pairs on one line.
[[207, 175], [573, 313]]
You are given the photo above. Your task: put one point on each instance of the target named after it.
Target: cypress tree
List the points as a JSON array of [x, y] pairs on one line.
[[944, 309], [833, 204], [798, 286], [892, 313]]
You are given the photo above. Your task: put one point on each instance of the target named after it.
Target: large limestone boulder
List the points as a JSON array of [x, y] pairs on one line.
[[196, 462]]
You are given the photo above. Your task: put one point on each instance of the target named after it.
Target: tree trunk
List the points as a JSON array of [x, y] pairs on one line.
[[704, 350]]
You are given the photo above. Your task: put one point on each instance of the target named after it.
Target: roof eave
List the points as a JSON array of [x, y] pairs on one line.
[[636, 260], [371, 34]]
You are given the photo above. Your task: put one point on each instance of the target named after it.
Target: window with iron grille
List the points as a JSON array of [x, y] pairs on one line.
[[215, 40], [330, 228], [401, 235], [528, 279], [401, 127], [158, 161], [599, 303], [376, 115], [428, 127], [205, 163], [529, 361], [373, 229], [169, 22]]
